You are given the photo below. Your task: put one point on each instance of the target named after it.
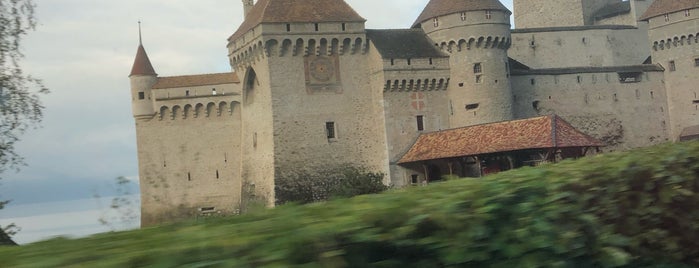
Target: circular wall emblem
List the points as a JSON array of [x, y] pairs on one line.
[[322, 69]]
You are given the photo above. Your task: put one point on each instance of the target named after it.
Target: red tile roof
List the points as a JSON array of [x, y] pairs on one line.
[[662, 7], [289, 11], [196, 80], [436, 8], [142, 65], [534, 133]]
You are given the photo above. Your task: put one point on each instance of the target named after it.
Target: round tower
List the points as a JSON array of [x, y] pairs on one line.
[[142, 77], [673, 27], [476, 33]]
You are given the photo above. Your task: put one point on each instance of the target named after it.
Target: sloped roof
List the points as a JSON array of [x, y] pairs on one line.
[[436, 8], [142, 65], [613, 9], [289, 11], [196, 80], [533, 133], [662, 7], [403, 44]]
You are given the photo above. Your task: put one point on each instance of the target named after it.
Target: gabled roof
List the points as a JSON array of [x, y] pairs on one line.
[[662, 7], [290, 11], [142, 65], [436, 8], [403, 44], [533, 133], [613, 9], [196, 80]]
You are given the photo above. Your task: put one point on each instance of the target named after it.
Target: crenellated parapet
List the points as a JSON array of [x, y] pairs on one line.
[[301, 46], [676, 41], [408, 85], [198, 110], [481, 42]]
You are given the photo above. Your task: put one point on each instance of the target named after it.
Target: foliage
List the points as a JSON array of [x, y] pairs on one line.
[[636, 209], [121, 209], [20, 107], [324, 185]]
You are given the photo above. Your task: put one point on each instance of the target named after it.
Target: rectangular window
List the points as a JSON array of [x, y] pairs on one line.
[[477, 68], [672, 66], [579, 79], [687, 13], [435, 22], [186, 93], [667, 17], [463, 16], [344, 27], [330, 130], [413, 179], [420, 122], [696, 62], [488, 14], [141, 95], [288, 27], [317, 27]]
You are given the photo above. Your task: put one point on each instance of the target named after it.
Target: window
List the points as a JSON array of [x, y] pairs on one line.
[[472, 106], [213, 91], [413, 179], [217, 175], [330, 130], [463, 16], [672, 66], [435, 22], [687, 13], [317, 27], [667, 17], [344, 27], [579, 79], [409, 61], [532, 81], [696, 62], [477, 68], [479, 79], [392, 62], [189, 176], [420, 122], [288, 27], [186, 93], [430, 61], [141, 95], [488, 14]]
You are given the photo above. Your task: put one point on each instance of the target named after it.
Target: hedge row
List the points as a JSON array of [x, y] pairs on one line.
[[636, 209]]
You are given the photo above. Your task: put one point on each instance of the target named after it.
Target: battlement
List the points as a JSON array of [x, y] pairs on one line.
[[197, 110], [483, 42], [676, 41]]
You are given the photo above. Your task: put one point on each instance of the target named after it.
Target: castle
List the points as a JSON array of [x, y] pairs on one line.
[[312, 89]]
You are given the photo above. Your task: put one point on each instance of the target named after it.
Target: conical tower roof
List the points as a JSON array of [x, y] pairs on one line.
[[661, 7], [142, 65], [436, 8], [290, 11]]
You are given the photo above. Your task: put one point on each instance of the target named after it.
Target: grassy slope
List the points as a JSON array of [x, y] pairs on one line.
[[503, 220]]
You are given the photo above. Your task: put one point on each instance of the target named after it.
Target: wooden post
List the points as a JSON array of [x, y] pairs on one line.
[[427, 176], [480, 167], [451, 168]]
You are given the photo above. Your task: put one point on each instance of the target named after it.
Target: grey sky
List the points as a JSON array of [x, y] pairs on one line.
[[83, 50]]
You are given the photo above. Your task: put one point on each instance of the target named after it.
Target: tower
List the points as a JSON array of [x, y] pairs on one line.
[[247, 6], [308, 105], [477, 36], [142, 78], [673, 27], [559, 13]]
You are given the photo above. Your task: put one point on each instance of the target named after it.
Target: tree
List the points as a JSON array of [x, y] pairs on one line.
[[20, 108]]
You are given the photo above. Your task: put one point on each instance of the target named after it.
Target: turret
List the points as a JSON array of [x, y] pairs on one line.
[[247, 6], [142, 77], [673, 27], [476, 33]]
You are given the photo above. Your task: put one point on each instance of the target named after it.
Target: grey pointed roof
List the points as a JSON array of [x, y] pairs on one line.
[[662, 7], [286, 11], [403, 44], [437, 8]]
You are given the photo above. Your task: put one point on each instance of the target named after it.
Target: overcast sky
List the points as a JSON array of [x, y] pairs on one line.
[[83, 50]]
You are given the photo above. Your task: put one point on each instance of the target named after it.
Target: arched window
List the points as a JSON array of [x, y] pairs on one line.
[[250, 86]]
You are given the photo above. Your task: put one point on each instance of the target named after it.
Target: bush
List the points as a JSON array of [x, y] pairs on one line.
[[324, 185], [636, 209]]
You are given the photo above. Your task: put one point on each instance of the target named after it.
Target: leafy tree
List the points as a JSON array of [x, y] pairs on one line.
[[20, 108]]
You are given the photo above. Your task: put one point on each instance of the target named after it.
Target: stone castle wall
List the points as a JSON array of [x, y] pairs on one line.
[[189, 155], [623, 115]]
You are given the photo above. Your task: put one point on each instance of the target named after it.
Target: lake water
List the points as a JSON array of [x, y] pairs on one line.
[[73, 218]]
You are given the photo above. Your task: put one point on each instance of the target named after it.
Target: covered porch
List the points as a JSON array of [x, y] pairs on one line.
[[481, 150]]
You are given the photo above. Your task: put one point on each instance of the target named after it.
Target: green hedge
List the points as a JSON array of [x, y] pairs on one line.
[[636, 209]]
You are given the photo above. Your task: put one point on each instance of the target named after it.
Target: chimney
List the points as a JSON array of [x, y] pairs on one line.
[[247, 6]]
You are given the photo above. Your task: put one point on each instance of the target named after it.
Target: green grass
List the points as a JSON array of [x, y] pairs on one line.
[[635, 209]]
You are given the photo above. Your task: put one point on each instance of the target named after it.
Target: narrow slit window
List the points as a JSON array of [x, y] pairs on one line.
[[687, 13], [463, 16], [420, 122], [189, 176], [330, 130], [667, 17], [672, 66], [317, 27], [344, 27], [217, 175], [288, 27]]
